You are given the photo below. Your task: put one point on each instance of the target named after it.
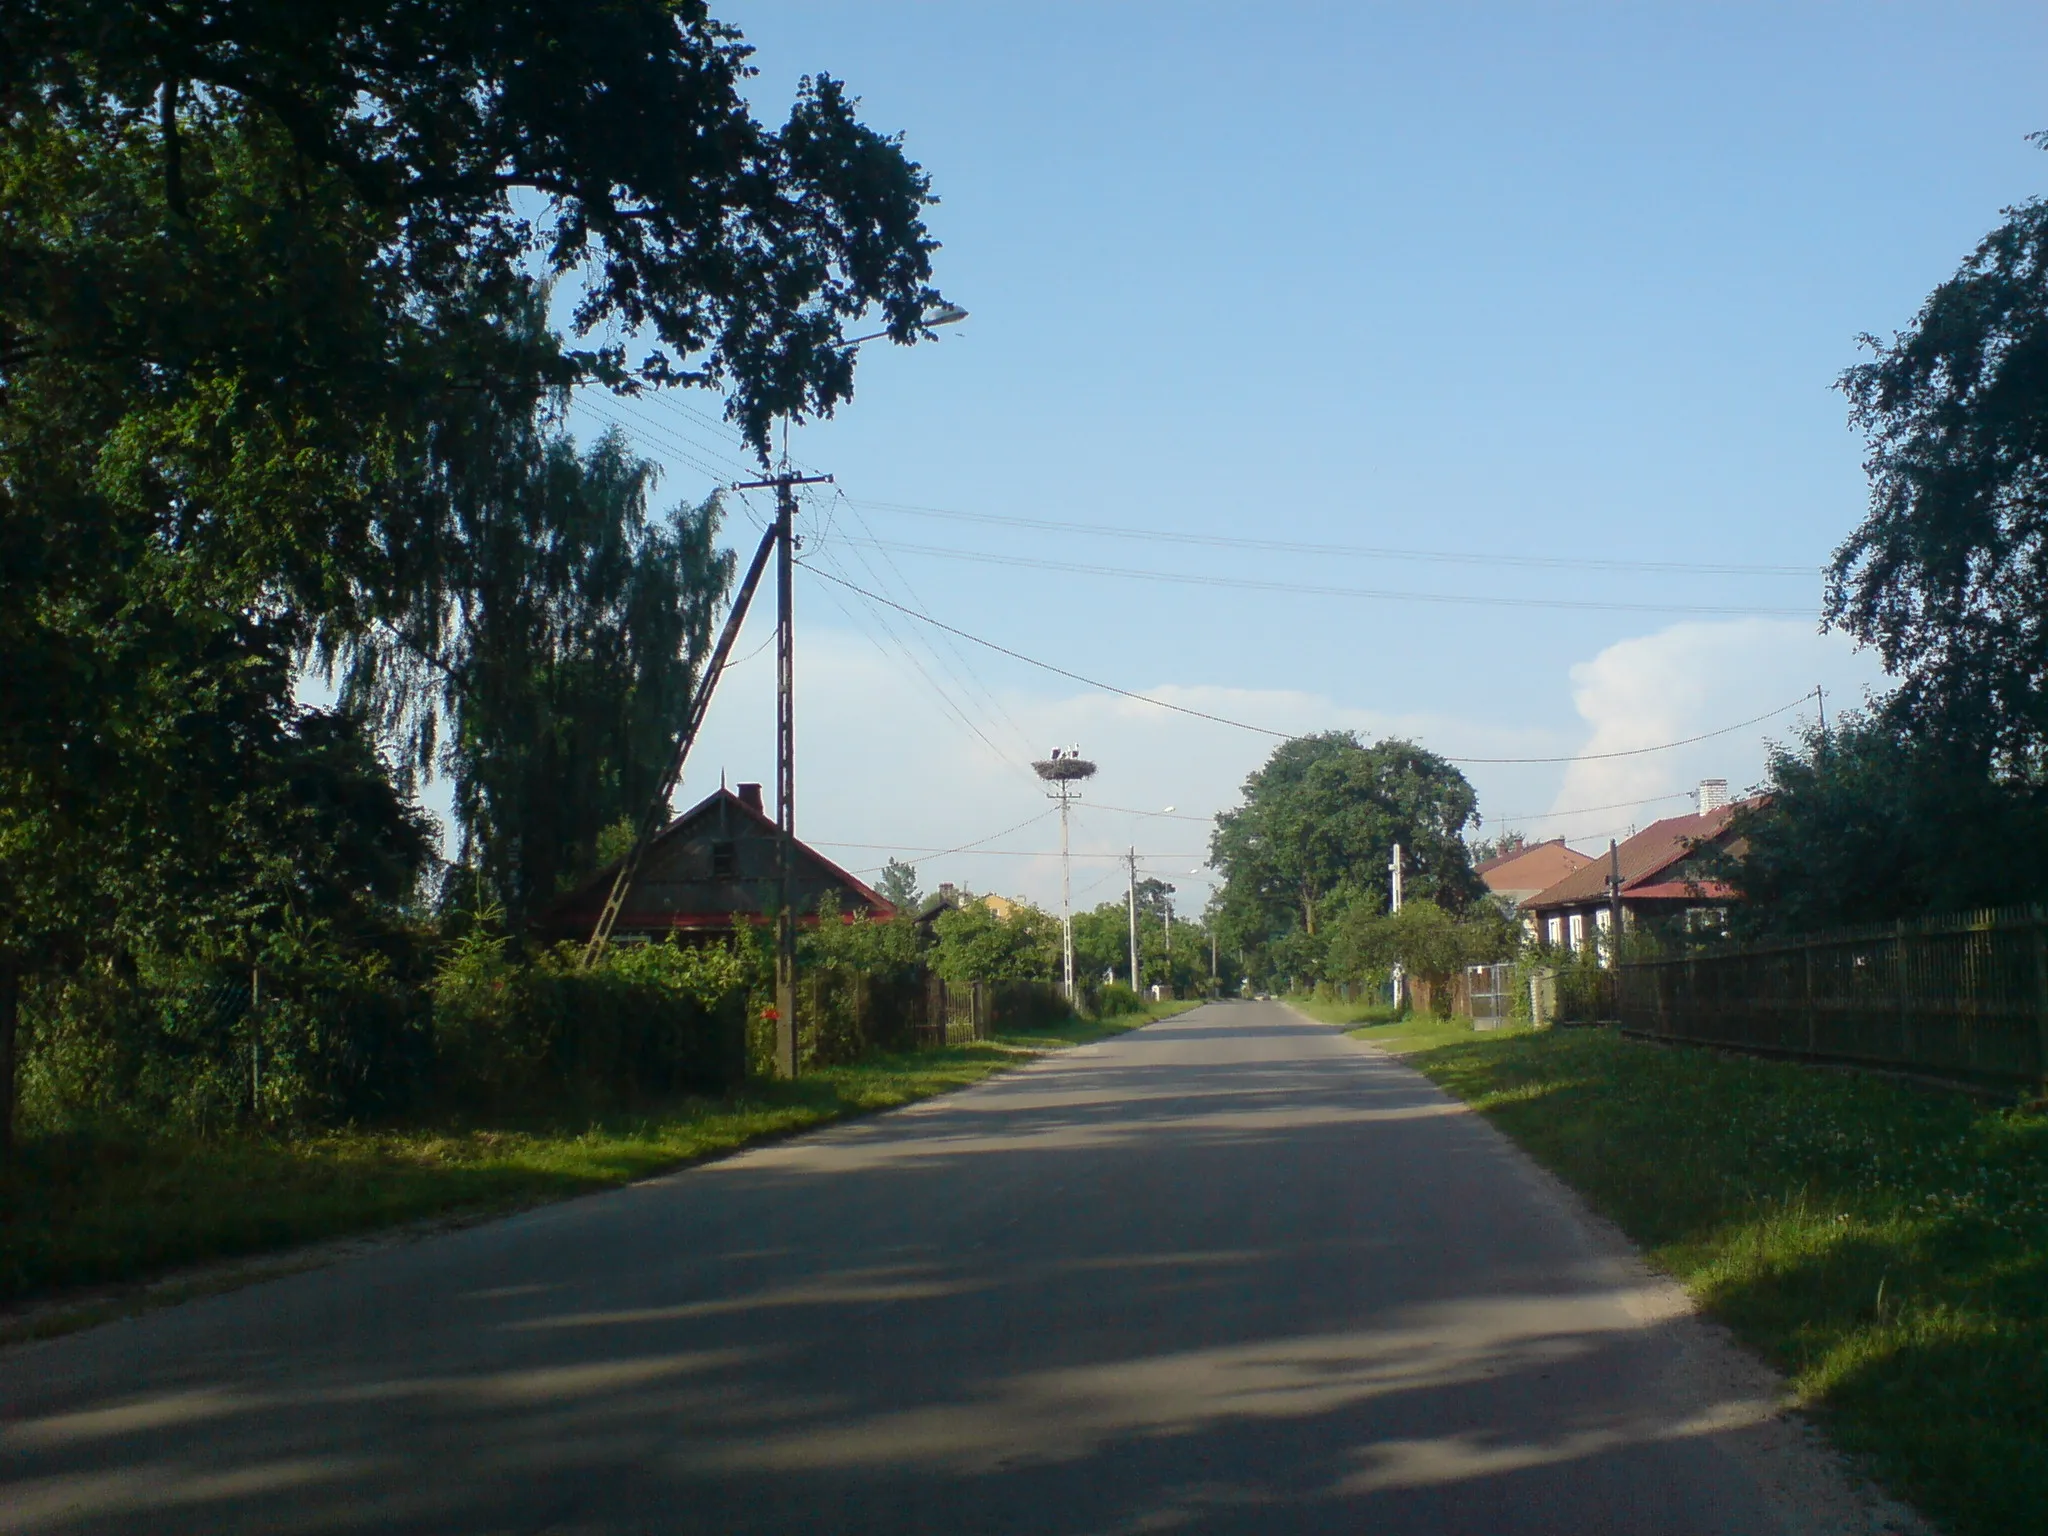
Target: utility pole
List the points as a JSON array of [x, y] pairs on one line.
[[1393, 906], [1064, 771], [1821, 695], [1613, 902], [784, 485], [656, 815], [1134, 924]]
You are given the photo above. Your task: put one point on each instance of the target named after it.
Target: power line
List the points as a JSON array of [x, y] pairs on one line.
[[1261, 730], [1662, 746], [1357, 551], [1588, 810], [1296, 588]]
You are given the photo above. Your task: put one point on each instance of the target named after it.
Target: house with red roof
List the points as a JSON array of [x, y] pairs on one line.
[[1530, 870], [1666, 875], [707, 871]]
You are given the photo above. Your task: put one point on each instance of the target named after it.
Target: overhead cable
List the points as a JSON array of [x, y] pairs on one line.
[[1359, 551], [1297, 588], [1261, 730]]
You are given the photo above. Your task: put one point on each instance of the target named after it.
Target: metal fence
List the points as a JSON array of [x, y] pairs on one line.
[[1963, 996], [1491, 991]]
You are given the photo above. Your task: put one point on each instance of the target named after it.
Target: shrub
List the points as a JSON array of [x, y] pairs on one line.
[[1116, 998], [647, 1020]]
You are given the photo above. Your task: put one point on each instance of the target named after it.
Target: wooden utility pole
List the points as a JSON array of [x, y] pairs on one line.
[[1614, 911], [784, 485]]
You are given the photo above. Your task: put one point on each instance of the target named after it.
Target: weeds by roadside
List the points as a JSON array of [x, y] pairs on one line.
[[1885, 1245]]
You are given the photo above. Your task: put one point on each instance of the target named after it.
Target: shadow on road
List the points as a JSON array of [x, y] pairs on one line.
[[1220, 1275]]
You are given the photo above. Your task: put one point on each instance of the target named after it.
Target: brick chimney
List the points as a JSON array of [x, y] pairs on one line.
[[750, 797], [1713, 794]]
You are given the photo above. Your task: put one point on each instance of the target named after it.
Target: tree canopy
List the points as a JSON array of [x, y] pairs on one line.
[[1871, 821], [291, 298], [1316, 833], [1948, 574]]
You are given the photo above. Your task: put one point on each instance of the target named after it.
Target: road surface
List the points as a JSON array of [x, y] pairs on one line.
[[1231, 1273]]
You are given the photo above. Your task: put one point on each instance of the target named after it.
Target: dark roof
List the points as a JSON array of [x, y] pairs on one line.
[[668, 895], [1644, 857]]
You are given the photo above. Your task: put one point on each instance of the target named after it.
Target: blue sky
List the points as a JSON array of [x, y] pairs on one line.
[[1509, 284]]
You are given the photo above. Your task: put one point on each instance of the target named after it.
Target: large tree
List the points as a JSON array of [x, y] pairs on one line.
[[1316, 834], [1948, 575], [1872, 820], [263, 272]]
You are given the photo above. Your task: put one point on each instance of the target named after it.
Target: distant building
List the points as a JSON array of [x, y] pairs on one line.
[[710, 868], [1530, 870], [1664, 880]]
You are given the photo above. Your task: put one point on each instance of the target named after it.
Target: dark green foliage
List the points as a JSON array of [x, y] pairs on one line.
[[648, 1021], [1315, 835], [1875, 820], [898, 886], [274, 379], [976, 945], [862, 985], [1113, 999], [1422, 937], [566, 661], [1948, 575]]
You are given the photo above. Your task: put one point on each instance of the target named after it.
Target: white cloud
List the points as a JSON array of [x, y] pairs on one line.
[[1683, 681], [882, 761]]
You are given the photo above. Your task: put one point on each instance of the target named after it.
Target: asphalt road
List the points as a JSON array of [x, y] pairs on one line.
[[1230, 1273]]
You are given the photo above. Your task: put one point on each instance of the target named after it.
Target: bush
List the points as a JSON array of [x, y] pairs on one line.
[[647, 1020], [1115, 998], [308, 1033]]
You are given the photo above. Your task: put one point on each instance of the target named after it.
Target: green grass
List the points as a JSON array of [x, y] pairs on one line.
[[94, 1210], [1885, 1245]]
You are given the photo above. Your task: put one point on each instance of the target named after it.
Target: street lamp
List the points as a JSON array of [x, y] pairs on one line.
[[938, 314]]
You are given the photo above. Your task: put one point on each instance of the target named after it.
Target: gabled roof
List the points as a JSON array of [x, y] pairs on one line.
[[1533, 868], [668, 894], [1644, 858]]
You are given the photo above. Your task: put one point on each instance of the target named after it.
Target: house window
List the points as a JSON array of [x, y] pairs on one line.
[[1553, 931], [1578, 929], [724, 861]]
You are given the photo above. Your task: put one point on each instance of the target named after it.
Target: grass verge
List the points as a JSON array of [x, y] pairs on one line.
[[1885, 1245], [99, 1211]]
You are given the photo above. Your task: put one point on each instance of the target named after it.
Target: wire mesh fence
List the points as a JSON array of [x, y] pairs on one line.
[[1964, 996]]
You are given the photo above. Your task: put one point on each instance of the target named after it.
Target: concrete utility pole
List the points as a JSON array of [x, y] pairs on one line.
[[1394, 905], [1135, 987], [1065, 771], [784, 485]]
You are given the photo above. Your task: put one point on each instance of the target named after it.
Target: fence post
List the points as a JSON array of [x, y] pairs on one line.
[[1899, 972], [1812, 1025], [2041, 996]]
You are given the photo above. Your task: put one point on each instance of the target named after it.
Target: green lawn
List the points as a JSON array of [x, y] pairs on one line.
[[84, 1211], [1885, 1245]]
